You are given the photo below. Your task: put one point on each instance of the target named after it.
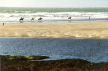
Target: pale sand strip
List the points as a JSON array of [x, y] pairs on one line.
[[56, 30]]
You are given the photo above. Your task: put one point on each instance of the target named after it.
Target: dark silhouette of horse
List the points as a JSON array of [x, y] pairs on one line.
[[40, 18], [32, 19], [69, 18], [21, 20]]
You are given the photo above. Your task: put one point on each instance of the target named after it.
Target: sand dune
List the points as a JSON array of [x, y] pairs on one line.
[[55, 30]]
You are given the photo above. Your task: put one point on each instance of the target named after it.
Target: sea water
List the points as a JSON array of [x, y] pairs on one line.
[[94, 50], [52, 14]]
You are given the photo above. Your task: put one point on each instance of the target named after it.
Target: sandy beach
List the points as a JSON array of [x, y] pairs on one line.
[[55, 30]]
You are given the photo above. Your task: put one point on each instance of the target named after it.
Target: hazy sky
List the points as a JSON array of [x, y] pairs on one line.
[[54, 3]]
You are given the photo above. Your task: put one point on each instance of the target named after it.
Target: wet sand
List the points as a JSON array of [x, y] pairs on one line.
[[55, 30]]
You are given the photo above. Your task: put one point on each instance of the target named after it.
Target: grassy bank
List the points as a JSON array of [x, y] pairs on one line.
[[17, 64]]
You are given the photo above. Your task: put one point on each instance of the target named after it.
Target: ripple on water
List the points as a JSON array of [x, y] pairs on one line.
[[94, 50]]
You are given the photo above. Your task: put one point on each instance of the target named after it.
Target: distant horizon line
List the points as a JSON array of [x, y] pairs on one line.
[[53, 7]]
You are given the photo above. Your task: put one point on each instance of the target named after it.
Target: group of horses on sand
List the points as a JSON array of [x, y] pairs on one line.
[[32, 19], [39, 19]]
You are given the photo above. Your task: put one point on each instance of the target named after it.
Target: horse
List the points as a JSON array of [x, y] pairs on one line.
[[40, 18], [32, 19], [69, 18], [21, 19]]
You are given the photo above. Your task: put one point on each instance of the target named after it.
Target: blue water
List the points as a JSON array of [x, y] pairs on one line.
[[94, 50]]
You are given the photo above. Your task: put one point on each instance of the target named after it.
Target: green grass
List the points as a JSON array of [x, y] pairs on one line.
[[8, 57]]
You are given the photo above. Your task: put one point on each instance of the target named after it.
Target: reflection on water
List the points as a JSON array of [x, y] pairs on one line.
[[95, 50]]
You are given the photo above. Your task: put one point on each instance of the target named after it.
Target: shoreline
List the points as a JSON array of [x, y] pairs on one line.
[[52, 37], [55, 30], [59, 21]]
